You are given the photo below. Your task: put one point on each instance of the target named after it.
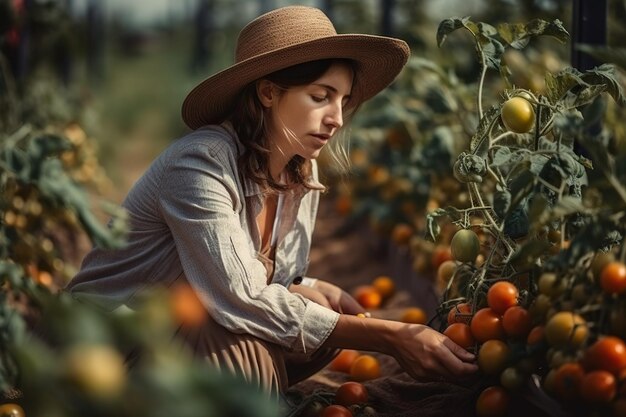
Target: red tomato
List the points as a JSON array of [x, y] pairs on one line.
[[608, 354], [336, 411], [351, 393], [487, 324], [492, 402], [501, 296], [516, 322], [598, 387]]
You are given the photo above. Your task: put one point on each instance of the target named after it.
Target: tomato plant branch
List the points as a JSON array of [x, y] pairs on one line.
[[501, 136]]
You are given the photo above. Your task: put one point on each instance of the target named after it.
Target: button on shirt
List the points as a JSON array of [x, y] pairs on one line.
[[192, 215]]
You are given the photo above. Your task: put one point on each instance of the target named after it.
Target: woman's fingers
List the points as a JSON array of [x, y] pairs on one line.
[[458, 351], [349, 305], [456, 359]]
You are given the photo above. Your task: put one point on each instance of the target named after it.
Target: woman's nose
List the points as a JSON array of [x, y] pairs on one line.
[[335, 118]]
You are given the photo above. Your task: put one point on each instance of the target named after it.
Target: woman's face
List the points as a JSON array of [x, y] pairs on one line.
[[304, 118]]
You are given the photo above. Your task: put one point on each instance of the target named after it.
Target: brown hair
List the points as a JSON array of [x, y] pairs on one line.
[[247, 118]]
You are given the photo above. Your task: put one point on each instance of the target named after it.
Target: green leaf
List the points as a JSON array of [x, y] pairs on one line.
[[584, 96], [518, 34], [605, 75], [520, 186], [560, 83], [527, 254], [448, 26]]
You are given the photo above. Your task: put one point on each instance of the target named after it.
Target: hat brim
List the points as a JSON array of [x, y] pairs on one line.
[[379, 60]]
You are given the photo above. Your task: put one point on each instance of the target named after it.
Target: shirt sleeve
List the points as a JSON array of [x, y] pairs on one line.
[[199, 202]]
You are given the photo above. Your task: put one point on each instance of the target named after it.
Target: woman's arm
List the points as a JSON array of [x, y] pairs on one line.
[[421, 351]]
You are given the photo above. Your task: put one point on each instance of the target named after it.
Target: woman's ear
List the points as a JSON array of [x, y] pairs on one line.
[[265, 91]]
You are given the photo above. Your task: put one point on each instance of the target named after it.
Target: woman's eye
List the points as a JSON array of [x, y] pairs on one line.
[[318, 99]]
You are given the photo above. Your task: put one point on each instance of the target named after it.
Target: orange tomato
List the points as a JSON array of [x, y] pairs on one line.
[[608, 354], [186, 307], [598, 387], [461, 334], [446, 271], [613, 278], [11, 410], [344, 360], [343, 205], [401, 234], [516, 322], [460, 313], [493, 356], [414, 315], [364, 368], [567, 380], [487, 324], [368, 297], [501, 296], [384, 285], [350, 393], [492, 402], [535, 336], [441, 253]]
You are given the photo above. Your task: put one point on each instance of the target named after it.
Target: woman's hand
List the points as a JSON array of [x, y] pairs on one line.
[[338, 299], [330, 296], [311, 294], [425, 353]]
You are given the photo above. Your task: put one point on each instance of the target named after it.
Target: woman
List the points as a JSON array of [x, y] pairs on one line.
[[230, 208]]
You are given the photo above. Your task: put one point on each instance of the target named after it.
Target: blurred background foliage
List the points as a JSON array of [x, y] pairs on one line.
[[90, 93]]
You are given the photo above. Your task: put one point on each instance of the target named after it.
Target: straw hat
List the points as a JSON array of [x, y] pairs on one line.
[[289, 36]]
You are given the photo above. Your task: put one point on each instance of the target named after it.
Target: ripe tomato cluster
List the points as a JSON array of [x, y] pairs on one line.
[[558, 333]]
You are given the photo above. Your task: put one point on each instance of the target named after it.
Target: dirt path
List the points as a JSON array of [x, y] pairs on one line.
[[355, 256]]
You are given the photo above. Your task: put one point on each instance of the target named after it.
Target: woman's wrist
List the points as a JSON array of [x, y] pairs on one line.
[[352, 332]]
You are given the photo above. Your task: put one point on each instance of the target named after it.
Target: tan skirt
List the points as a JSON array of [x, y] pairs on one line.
[[265, 365]]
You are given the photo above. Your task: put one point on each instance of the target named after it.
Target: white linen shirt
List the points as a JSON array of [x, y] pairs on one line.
[[191, 215]]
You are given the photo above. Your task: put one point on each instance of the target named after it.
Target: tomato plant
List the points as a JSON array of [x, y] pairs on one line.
[[350, 393]]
